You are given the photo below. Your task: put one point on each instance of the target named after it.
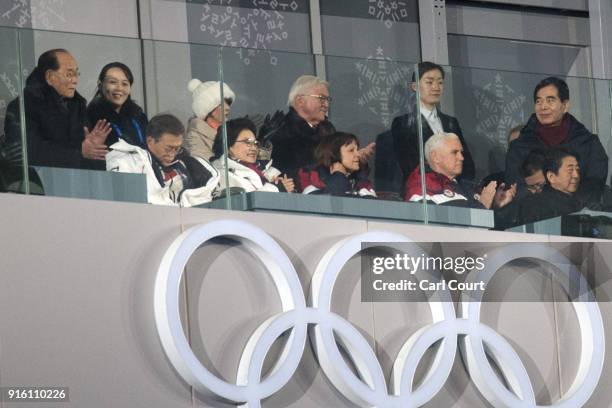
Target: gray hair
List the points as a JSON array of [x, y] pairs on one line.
[[303, 84], [436, 141]]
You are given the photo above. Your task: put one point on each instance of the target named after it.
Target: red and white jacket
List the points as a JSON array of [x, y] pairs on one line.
[[440, 189]]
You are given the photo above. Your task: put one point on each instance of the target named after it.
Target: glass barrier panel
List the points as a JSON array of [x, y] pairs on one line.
[[302, 138], [603, 101], [514, 128], [372, 99], [262, 156], [14, 174], [371, 96], [71, 118], [185, 80], [585, 206], [596, 219]]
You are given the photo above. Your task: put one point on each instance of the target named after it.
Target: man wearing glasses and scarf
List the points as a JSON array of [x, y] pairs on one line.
[[173, 176]]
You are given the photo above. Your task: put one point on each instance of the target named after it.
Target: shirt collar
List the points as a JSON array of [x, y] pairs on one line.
[[427, 112]]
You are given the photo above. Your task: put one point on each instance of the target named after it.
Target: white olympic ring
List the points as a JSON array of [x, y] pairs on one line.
[[369, 388]]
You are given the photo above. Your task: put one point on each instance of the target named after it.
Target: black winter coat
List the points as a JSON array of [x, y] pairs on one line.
[[337, 184], [406, 142], [130, 123], [549, 203], [295, 141], [592, 157], [388, 175], [54, 126]]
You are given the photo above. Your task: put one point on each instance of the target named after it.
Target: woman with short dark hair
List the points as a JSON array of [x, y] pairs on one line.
[[337, 170], [245, 171]]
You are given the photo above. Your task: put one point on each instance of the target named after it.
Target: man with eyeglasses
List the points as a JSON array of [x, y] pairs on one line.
[[304, 126], [173, 176], [532, 171], [554, 196], [55, 116], [558, 196], [534, 180]]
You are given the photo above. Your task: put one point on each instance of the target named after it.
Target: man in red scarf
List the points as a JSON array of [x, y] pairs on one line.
[[552, 126]]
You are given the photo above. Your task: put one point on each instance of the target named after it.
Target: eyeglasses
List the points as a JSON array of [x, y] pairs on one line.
[[249, 142], [535, 188], [321, 98], [174, 149], [70, 75]]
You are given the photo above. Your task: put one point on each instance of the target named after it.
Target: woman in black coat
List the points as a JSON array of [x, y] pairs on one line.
[[114, 103]]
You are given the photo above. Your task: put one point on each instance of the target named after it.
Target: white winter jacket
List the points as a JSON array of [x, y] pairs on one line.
[[245, 178], [126, 158]]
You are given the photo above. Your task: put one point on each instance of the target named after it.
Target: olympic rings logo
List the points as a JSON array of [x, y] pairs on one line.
[[368, 388]]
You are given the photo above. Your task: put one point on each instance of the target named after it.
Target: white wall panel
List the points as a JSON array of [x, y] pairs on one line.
[[581, 5], [78, 310], [517, 25], [105, 17], [167, 20]]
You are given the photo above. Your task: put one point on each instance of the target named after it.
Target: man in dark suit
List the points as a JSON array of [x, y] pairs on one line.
[[405, 130]]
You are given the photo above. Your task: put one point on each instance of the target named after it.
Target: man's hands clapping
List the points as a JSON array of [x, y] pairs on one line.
[[93, 146]]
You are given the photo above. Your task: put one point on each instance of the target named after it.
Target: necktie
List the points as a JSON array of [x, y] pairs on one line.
[[433, 120]]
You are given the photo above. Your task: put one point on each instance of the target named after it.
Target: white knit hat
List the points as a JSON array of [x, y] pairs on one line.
[[207, 96]]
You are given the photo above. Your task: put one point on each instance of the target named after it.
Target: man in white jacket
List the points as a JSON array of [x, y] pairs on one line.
[[173, 176]]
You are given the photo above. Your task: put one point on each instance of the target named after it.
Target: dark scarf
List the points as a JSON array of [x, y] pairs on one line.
[[554, 135], [163, 173], [256, 169]]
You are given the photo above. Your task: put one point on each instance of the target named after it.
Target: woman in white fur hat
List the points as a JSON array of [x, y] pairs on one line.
[[206, 106]]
